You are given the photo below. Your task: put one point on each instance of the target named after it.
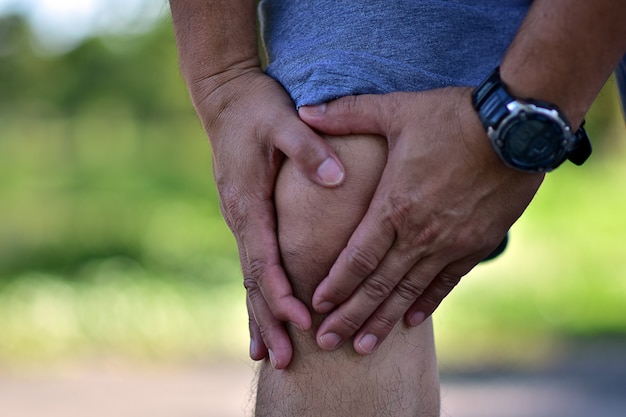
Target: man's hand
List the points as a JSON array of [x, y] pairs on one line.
[[252, 123], [444, 202]]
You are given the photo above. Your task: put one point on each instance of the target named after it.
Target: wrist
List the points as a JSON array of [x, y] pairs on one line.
[[214, 37], [211, 94], [564, 52], [484, 154], [527, 134], [546, 86]]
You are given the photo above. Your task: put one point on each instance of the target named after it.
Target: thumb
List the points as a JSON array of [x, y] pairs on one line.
[[363, 114], [309, 152]]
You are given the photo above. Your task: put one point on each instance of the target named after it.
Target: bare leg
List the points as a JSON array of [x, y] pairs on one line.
[[400, 378]]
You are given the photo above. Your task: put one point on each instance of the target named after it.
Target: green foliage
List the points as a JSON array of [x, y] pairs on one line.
[[111, 240], [137, 75]]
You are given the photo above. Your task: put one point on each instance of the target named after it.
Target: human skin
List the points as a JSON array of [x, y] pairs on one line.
[[562, 54], [428, 225], [314, 224], [252, 125]]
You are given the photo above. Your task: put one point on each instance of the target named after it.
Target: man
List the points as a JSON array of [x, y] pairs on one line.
[[423, 211]]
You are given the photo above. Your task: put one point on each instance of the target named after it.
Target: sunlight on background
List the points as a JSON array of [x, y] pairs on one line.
[[60, 25]]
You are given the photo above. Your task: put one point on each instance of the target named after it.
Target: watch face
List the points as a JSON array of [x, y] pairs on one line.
[[533, 142]]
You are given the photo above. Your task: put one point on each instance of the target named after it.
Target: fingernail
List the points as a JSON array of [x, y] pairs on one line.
[[253, 348], [330, 172], [272, 358], [329, 341], [318, 110], [417, 318], [368, 343], [325, 307]]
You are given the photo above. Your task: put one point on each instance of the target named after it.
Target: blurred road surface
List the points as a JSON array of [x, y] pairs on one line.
[[587, 382]]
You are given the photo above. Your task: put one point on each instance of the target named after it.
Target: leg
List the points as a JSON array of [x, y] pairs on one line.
[[400, 379]]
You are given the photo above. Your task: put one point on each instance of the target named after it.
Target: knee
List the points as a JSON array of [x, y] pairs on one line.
[[315, 223]]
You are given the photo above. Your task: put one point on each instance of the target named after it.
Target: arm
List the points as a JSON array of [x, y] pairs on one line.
[[444, 199], [251, 123], [565, 51]]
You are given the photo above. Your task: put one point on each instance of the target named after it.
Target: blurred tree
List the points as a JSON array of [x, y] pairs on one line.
[[82, 148], [139, 71]]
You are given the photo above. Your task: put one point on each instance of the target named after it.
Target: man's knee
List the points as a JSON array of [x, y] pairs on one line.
[[315, 223]]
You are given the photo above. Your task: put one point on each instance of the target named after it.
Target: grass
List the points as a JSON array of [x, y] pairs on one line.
[[119, 310]]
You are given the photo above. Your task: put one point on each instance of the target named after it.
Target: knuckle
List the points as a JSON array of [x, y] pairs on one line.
[[304, 153], [445, 283], [400, 217], [425, 239], [268, 330], [349, 105], [448, 281], [400, 210], [409, 290], [251, 286], [433, 298], [430, 300], [377, 287], [234, 207], [339, 295], [360, 261], [257, 268], [259, 274], [349, 321], [385, 324]]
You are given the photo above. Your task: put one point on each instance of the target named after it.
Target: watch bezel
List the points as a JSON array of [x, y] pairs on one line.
[[519, 111]]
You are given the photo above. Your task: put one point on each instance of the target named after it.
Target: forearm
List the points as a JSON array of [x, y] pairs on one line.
[[252, 125], [217, 40], [564, 52]]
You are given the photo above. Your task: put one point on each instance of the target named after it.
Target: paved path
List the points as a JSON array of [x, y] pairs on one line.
[[582, 384]]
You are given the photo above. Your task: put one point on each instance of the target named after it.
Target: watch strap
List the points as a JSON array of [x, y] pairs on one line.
[[582, 149], [490, 99]]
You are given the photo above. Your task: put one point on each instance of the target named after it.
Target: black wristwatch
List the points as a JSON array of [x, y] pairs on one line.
[[528, 135]]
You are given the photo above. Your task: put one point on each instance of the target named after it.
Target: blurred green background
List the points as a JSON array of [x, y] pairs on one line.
[[112, 245]]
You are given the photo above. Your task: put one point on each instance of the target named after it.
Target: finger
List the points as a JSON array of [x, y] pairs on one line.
[[310, 153], [352, 114], [252, 220], [258, 349], [266, 271], [367, 246], [270, 331], [268, 336], [390, 312], [386, 281], [434, 294]]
